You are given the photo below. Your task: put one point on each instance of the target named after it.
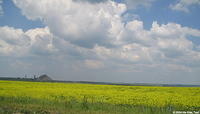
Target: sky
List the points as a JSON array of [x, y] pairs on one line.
[[125, 41]]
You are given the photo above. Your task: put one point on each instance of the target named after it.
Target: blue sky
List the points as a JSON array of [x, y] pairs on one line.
[[114, 41], [13, 17], [161, 12]]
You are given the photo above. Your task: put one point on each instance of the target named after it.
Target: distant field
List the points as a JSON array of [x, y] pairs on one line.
[[44, 97]]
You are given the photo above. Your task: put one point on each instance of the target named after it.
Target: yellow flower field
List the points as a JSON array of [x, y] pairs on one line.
[[179, 97]]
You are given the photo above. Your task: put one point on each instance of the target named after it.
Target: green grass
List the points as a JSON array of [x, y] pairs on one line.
[[73, 98], [28, 105]]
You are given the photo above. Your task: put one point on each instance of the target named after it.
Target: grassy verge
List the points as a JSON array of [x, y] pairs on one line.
[[28, 105]]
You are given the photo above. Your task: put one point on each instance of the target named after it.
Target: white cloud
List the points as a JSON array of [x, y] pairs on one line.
[[41, 41], [16, 42], [12, 41], [94, 35], [183, 5], [80, 23], [161, 44], [90, 31]]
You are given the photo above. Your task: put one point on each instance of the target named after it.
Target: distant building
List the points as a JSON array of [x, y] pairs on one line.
[[44, 77], [34, 77]]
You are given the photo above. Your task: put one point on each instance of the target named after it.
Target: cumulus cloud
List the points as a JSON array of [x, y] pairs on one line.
[[183, 5], [82, 23], [161, 44], [41, 41], [95, 36], [97, 31], [16, 42], [12, 41]]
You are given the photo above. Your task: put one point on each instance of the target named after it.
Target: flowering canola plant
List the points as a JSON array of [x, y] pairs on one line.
[[110, 94]]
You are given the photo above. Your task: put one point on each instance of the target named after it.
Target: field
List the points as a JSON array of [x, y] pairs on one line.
[[44, 97]]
